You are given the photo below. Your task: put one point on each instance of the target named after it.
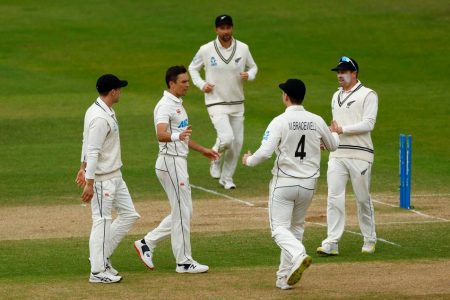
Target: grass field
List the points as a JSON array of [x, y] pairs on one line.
[[52, 52]]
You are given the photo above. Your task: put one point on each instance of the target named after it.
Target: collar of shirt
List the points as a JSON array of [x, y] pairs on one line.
[[106, 108], [295, 108], [341, 89], [172, 97], [222, 48]]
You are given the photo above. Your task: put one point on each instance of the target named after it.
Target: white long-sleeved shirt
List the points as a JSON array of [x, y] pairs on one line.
[[356, 112], [101, 142], [222, 69], [295, 136], [170, 110]]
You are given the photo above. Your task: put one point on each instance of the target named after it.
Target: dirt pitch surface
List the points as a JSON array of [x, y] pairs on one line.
[[416, 279], [215, 215]]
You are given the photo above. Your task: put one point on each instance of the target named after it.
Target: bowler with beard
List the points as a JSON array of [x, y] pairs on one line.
[[228, 64]]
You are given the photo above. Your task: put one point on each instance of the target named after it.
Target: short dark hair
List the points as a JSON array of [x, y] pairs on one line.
[[173, 72], [295, 100]]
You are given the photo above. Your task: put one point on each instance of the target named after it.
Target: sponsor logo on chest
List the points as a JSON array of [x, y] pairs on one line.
[[183, 123]]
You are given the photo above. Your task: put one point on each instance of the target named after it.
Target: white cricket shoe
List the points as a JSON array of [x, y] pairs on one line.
[[109, 268], [214, 169], [282, 283], [368, 247], [328, 249], [193, 268], [300, 265], [144, 253], [227, 184], [104, 277]]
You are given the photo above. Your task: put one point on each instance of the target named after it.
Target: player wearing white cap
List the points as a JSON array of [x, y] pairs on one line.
[[173, 132], [101, 178], [354, 108], [227, 63], [296, 137]]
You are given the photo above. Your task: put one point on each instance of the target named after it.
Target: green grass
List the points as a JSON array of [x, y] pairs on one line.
[[52, 53], [40, 260]]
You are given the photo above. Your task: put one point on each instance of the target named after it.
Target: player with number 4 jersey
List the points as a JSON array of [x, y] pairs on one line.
[[296, 137]]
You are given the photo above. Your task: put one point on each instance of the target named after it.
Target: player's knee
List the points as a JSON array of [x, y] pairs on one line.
[[96, 220], [133, 217], [225, 142], [277, 230]]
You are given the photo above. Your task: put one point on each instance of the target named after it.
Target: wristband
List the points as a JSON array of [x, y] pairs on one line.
[[175, 137]]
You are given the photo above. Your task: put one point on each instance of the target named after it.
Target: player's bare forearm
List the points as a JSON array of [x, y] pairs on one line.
[[164, 136], [209, 153], [80, 175]]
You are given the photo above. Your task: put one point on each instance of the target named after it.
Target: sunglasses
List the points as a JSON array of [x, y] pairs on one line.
[[347, 59]]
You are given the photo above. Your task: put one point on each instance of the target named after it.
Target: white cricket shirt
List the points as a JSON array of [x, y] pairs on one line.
[[295, 136], [101, 142], [222, 68], [170, 110], [356, 111]]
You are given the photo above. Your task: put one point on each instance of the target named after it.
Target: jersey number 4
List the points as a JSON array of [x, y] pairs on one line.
[[301, 147]]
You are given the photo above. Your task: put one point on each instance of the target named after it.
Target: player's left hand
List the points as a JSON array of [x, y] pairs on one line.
[[88, 191], [244, 75], [245, 156], [211, 154], [80, 178]]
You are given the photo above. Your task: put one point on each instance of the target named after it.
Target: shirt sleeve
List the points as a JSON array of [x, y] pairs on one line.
[[271, 139], [251, 67], [83, 150], [98, 130], [194, 70], [162, 115], [370, 110], [329, 139]]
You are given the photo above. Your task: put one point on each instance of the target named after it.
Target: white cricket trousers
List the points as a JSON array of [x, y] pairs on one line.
[[105, 234], [289, 200], [230, 136], [173, 174], [359, 171]]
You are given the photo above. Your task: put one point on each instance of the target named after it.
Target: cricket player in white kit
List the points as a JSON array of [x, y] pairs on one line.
[[354, 108], [101, 178], [227, 63], [295, 136], [173, 132]]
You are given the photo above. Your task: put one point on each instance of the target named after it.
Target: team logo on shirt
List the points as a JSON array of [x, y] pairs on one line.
[[266, 135], [237, 60], [213, 61], [178, 111], [350, 103]]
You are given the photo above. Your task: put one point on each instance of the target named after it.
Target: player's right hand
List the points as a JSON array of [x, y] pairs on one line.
[[245, 156], [80, 178], [208, 88]]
